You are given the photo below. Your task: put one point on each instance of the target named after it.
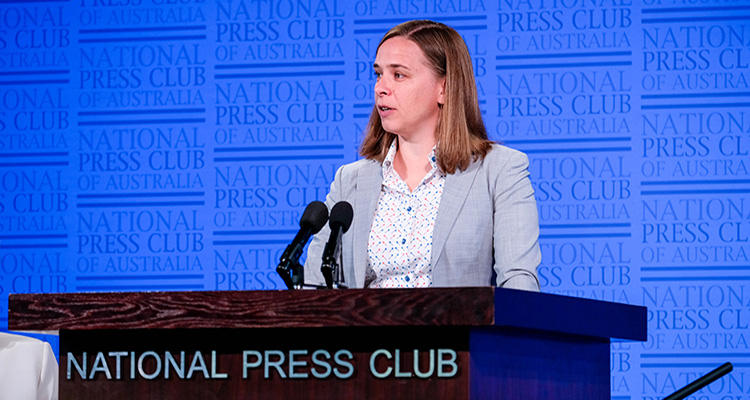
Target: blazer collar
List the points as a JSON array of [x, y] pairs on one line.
[[368, 181], [455, 191]]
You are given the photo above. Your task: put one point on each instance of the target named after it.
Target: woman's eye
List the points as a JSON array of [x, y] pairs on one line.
[[378, 74]]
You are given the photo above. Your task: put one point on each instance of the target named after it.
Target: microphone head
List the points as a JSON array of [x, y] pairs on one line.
[[315, 215], [341, 214]]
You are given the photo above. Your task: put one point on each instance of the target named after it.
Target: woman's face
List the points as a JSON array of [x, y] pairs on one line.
[[407, 92]]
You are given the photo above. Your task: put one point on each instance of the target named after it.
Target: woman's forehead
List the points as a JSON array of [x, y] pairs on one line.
[[400, 52]]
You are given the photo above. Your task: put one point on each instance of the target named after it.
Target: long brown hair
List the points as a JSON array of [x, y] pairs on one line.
[[460, 131]]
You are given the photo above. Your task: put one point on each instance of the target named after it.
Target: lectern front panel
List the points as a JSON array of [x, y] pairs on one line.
[[309, 363]]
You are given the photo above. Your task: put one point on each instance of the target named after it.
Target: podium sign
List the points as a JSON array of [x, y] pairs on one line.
[[463, 343]]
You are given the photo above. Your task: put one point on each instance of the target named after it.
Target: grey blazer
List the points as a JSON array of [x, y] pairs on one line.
[[486, 230]]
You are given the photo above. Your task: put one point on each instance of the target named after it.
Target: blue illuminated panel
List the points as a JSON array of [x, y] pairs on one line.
[[162, 145]]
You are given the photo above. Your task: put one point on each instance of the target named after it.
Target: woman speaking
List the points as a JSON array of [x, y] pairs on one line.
[[435, 202]]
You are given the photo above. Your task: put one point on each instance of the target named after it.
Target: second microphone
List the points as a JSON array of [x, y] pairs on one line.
[[339, 222]]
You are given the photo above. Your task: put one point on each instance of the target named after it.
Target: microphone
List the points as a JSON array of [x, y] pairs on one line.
[[341, 218], [701, 382], [311, 222]]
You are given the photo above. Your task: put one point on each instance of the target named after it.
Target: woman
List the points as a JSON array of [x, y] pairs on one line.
[[435, 202]]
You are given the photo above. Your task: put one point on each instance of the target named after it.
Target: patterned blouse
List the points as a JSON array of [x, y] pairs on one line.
[[400, 244]]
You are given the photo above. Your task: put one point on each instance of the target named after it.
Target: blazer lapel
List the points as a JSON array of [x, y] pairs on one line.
[[369, 182], [455, 191]]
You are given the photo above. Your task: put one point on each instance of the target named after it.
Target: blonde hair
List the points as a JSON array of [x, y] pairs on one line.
[[460, 132]]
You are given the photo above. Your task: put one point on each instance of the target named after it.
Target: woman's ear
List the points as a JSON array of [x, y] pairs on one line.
[[441, 96]]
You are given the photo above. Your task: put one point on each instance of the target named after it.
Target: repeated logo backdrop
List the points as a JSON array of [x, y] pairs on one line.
[[173, 144]]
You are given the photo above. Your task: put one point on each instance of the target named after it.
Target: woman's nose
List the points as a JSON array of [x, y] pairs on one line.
[[381, 88]]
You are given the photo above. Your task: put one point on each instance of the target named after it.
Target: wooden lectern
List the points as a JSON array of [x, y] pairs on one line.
[[457, 343]]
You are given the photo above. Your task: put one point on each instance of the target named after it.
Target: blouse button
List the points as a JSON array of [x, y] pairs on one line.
[[403, 241]]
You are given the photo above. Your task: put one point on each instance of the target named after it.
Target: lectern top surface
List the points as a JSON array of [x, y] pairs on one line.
[[479, 306]]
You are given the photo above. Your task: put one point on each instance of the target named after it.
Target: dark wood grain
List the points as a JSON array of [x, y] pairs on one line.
[[251, 309]]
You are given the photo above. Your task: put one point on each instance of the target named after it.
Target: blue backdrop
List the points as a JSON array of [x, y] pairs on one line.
[[173, 144]]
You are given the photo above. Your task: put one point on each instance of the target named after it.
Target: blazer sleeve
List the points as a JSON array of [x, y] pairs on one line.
[[516, 225]]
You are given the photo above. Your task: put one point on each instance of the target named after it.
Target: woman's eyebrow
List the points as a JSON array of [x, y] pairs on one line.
[[375, 65]]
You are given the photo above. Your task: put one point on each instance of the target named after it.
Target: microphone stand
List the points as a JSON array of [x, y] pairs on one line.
[[298, 275], [292, 273], [284, 272], [701, 382]]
